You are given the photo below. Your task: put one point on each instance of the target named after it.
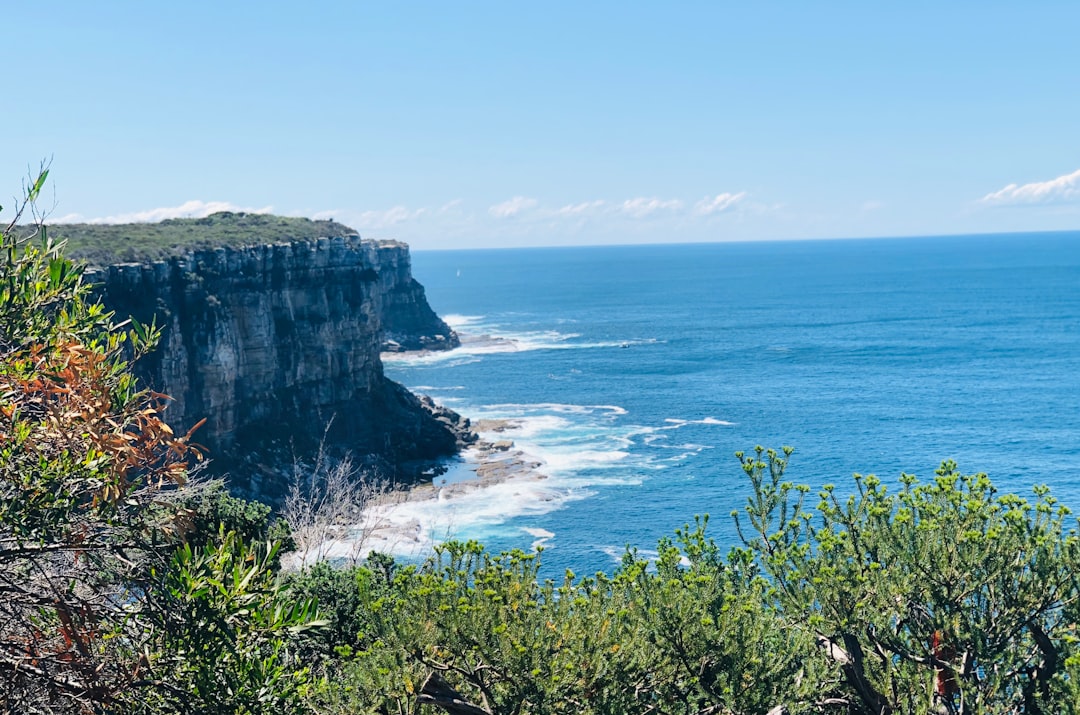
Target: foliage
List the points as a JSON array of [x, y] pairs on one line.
[[82, 452], [715, 625], [473, 632], [345, 596], [105, 244], [99, 609], [210, 509], [941, 597], [224, 632]]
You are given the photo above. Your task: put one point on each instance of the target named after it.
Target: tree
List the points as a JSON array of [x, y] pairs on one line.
[[942, 597]]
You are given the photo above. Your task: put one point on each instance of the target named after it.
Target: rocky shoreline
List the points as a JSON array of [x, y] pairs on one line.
[[391, 521]]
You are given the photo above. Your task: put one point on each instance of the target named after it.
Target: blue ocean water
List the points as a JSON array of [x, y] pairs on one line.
[[635, 372]]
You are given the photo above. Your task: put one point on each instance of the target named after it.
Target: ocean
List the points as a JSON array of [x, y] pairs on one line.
[[636, 372]]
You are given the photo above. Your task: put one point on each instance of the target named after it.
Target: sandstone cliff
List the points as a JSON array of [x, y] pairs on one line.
[[278, 345]]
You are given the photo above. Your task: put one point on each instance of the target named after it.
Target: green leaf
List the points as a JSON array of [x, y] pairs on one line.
[[32, 194], [140, 331], [56, 271]]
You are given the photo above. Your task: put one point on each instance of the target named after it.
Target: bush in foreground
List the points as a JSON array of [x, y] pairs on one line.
[[941, 598], [104, 605]]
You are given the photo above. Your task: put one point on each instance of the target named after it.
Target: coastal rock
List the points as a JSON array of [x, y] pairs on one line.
[[408, 321], [277, 347]]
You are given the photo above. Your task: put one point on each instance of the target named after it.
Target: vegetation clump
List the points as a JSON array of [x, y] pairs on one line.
[[105, 244]]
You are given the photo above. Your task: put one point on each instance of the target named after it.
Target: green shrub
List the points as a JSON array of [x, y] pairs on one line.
[[100, 609]]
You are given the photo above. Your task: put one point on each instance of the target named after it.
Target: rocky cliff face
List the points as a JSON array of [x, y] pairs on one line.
[[277, 347], [409, 323]]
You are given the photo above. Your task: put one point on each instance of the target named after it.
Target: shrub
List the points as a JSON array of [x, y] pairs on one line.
[[99, 609]]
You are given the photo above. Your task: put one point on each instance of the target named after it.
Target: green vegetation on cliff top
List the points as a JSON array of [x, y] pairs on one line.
[[104, 244]]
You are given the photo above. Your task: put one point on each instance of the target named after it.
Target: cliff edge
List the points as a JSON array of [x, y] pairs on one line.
[[277, 347]]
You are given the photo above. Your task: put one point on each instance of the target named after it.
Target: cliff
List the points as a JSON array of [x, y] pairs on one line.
[[408, 321], [277, 347]]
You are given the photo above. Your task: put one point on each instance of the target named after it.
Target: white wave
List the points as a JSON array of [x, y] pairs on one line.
[[542, 536], [456, 321], [433, 388], [446, 358], [480, 336], [687, 446], [411, 528], [557, 407], [678, 458], [570, 461], [458, 360], [677, 423], [580, 448], [616, 553]]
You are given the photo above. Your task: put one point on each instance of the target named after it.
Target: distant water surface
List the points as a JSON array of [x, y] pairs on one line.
[[639, 370]]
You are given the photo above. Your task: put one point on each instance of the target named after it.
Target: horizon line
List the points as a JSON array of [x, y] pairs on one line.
[[1042, 233]]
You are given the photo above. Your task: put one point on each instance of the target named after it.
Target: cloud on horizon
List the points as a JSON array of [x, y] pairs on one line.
[[188, 209], [383, 219], [643, 206], [637, 208], [519, 215], [512, 207], [1062, 189], [718, 204], [585, 207]]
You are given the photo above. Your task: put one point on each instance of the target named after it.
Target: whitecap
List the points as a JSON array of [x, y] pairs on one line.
[[456, 321], [557, 407], [542, 536], [616, 553], [485, 338], [677, 423]]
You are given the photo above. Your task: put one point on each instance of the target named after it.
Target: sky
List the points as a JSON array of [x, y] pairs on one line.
[[468, 124]]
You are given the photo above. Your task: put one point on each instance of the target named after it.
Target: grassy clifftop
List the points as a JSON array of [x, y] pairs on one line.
[[103, 244]]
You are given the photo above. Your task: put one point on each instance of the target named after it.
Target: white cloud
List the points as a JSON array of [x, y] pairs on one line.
[[512, 207], [718, 204], [385, 218], [188, 209], [1063, 188], [580, 209], [872, 205], [643, 206]]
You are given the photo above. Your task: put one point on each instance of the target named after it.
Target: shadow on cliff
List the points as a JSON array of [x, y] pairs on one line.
[[392, 435], [278, 348]]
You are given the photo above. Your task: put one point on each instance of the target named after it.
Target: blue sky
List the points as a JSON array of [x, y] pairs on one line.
[[454, 125]]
